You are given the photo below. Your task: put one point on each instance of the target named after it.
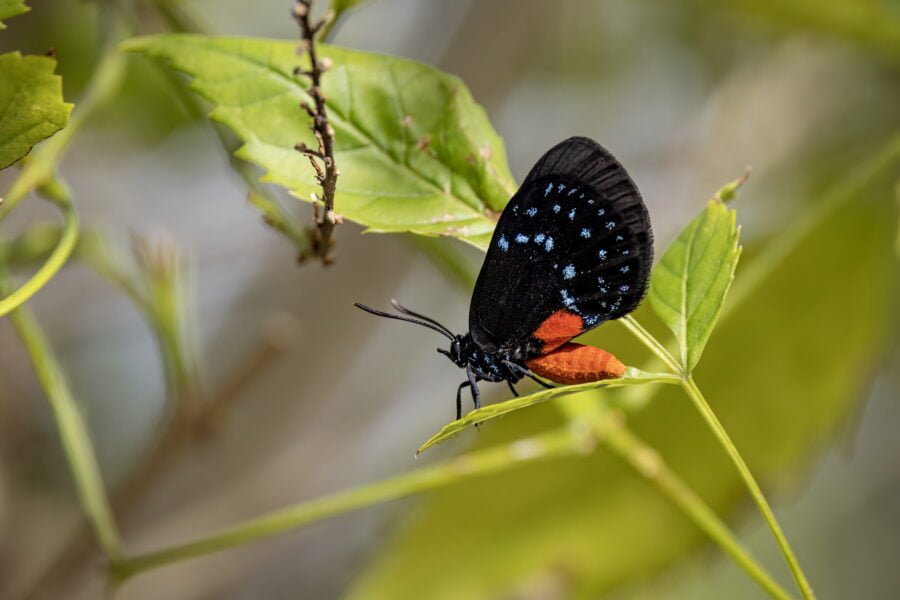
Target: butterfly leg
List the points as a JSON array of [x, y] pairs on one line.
[[512, 388], [526, 373], [459, 398], [473, 382]]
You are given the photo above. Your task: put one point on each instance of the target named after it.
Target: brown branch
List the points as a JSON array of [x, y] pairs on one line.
[[321, 158]]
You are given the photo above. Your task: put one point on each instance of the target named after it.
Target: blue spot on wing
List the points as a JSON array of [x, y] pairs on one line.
[[502, 243], [522, 238], [569, 272]]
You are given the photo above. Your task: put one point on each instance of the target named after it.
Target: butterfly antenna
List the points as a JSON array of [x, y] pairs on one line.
[[406, 311], [427, 324]]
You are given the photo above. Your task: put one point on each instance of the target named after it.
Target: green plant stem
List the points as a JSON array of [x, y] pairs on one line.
[[651, 342], [693, 392], [72, 429], [690, 387], [483, 462], [53, 264], [649, 464]]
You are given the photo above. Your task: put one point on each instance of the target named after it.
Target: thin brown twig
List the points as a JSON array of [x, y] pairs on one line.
[[322, 157]]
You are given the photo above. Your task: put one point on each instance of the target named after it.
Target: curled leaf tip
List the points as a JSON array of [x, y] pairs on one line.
[[728, 192]]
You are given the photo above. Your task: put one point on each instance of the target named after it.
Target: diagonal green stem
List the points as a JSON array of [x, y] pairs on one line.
[[483, 462], [646, 461], [691, 389], [651, 342], [752, 486], [73, 431]]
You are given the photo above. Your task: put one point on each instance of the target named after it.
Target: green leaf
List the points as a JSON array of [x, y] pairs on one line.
[[31, 103], [491, 411], [689, 284], [415, 152], [779, 380], [11, 8]]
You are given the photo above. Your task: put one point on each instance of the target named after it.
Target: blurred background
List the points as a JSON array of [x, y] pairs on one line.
[[314, 396]]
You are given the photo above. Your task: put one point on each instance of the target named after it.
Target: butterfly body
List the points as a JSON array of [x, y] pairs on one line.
[[571, 250]]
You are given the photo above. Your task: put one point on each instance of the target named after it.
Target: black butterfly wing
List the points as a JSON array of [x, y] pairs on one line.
[[574, 243]]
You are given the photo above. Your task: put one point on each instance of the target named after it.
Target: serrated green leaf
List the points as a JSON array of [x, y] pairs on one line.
[[31, 103], [689, 284], [778, 379], [492, 411], [416, 153], [11, 8]]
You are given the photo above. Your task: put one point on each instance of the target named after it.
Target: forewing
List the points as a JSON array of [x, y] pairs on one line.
[[573, 243]]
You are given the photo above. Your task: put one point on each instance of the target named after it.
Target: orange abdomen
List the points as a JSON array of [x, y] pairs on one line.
[[576, 363]]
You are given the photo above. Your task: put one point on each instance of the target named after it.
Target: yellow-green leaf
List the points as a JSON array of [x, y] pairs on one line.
[[11, 8], [491, 411], [688, 285], [31, 104]]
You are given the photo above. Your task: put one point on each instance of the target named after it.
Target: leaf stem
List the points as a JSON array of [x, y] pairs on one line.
[[690, 387], [651, 342], [73, 431], [646, 461], [483, 462]]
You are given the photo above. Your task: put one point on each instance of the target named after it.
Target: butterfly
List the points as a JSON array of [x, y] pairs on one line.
[[572, 249]]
